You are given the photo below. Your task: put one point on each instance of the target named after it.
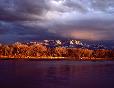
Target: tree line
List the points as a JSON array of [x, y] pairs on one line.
[[19, 50]]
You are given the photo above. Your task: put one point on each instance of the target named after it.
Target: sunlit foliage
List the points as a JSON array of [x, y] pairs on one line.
[[19, 50]]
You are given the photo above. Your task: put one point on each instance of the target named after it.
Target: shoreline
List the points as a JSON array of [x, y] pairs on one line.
[[57, 59]]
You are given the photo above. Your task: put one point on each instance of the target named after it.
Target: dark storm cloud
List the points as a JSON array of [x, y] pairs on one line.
[[16, 10], [45, 19], [13, 32], [87, 29]]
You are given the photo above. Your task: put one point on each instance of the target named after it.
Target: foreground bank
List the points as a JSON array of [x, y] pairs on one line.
[[39, 51], [57, 58]]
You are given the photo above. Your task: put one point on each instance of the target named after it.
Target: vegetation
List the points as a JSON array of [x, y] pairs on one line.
[[19, 50]]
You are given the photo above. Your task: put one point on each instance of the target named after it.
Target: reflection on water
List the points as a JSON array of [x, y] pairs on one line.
[[56, 74]]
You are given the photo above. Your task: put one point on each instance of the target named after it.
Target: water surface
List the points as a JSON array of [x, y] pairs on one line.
[[56, 74]]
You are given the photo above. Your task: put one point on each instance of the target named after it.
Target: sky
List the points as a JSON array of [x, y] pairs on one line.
[[27, 20]]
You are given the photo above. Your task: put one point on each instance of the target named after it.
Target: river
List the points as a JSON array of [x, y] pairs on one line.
[[56, 74]]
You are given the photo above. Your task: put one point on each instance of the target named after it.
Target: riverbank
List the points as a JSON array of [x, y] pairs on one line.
[[55, 58]]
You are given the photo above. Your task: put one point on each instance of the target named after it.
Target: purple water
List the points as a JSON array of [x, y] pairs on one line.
[[56, 74]]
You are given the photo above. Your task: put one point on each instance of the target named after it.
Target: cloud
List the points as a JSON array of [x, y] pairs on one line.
[[85, 29], [41, 19], [16, 10]]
